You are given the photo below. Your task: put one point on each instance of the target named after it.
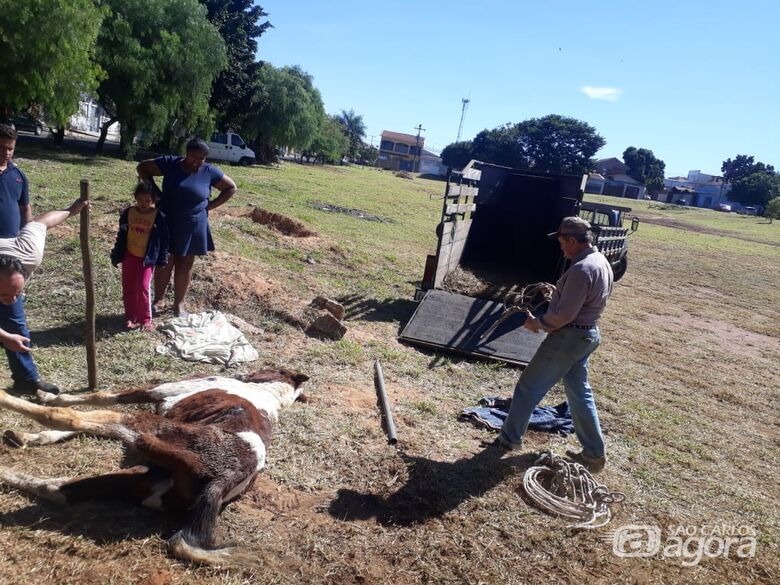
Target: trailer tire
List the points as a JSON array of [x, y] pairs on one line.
[[619, 268]]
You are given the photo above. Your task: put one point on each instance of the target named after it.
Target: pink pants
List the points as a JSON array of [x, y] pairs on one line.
[[136, 279]]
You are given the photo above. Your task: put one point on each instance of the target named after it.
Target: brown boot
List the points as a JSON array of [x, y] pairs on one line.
[[592, 464]]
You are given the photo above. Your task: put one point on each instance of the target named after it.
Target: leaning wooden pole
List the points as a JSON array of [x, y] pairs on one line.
[[89, 285]]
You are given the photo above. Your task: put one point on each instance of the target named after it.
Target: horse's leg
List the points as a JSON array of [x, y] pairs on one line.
[[21, 439], [136, 484]]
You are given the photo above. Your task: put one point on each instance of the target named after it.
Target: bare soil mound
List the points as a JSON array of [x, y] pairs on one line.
[[231, 281], [281, 223]]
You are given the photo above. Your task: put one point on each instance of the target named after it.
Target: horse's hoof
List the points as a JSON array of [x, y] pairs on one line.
[[45, 397], [11, 439]]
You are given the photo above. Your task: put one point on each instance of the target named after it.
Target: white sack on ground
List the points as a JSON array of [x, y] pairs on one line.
[[206, 337]]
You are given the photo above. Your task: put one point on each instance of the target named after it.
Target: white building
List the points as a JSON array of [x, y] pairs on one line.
[[90, 117], [697, 190]]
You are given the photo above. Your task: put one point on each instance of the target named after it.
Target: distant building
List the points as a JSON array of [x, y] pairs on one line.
[[697, 190], [90, 117], [430, 164], [400, 152], [611, 178]]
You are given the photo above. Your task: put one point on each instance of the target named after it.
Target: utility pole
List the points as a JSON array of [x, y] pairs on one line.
[[416, 164], [464, 107]]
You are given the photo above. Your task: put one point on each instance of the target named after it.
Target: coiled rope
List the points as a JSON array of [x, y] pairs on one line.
[[572, 492]]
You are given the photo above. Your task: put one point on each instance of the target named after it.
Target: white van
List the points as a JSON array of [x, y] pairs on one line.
[[231, 147]]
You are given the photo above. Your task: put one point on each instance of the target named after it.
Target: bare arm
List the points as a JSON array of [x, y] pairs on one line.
[[52, 218], [25, 213], [226, 188], [147, 170]]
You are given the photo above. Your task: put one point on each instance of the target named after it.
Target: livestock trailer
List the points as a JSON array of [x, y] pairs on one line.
[[493, 229]]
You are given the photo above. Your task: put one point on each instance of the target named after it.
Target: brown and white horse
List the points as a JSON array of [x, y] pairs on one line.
[[202, 449]]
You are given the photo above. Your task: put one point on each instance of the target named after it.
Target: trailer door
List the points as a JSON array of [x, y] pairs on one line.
[[454, 322]]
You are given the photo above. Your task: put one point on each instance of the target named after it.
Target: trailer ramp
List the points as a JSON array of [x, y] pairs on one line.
[[453, 322]]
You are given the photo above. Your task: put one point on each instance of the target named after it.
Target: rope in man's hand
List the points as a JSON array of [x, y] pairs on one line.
[[530, 298]]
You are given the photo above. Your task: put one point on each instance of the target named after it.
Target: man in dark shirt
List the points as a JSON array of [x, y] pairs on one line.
[[578, 300], [15, 212]]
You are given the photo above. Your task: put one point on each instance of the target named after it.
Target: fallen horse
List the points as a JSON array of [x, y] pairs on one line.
[[202, 449]]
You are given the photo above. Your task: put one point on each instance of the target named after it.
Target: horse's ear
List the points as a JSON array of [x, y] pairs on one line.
[[299, 379]]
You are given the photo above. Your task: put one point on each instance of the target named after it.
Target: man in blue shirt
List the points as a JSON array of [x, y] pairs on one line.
[[14, 213]]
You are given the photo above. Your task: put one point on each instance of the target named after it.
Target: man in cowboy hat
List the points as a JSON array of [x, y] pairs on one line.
[[578, 300]]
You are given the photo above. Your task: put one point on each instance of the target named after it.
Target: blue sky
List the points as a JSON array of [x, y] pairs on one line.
[[696, 82]]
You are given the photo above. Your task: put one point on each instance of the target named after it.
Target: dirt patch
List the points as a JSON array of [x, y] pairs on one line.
[[360, 214], [690, 227], [231, 281], [720, 335], [281, 223], [274, 500]]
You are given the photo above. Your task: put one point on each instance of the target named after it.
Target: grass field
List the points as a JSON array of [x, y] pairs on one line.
[[686, 382]]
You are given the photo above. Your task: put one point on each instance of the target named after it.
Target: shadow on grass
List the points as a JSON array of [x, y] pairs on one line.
[[99, 522], [73, 333], [75, 151], [433, 489], [359, 307]]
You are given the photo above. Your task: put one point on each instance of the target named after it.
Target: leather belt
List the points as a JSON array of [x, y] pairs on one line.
[[580, 326]]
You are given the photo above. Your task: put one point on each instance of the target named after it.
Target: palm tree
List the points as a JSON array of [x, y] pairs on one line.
[[354, 128]]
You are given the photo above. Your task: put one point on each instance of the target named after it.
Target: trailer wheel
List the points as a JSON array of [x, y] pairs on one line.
[[619, 268]]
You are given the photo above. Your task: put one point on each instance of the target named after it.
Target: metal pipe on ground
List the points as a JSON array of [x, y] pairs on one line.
[[384, 404]]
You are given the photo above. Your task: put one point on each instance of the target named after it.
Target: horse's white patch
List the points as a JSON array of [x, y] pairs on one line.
[[256, 444], [155, 500], [258, 448], [267, 396]]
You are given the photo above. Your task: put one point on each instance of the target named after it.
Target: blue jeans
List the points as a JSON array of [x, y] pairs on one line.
[[13, 320], [563, 354]]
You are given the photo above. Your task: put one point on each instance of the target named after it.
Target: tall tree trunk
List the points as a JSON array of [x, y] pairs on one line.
[[126, 144], [59, 136], [103, 133]]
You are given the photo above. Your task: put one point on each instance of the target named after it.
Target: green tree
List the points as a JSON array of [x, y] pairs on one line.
[[645, 167], [456, 155], [743, 166], [355, 130], [772, 210], [499, 146], [46, 48], [161, 57], [368, 154], [239, 24], [552, 144], [330, 144], [756, 189], [557, 144], [287, 110]]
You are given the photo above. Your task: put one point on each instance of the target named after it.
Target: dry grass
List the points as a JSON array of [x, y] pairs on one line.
[[686, 381]]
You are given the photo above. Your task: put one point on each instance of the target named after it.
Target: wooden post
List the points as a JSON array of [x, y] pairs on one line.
[[89, 285]]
